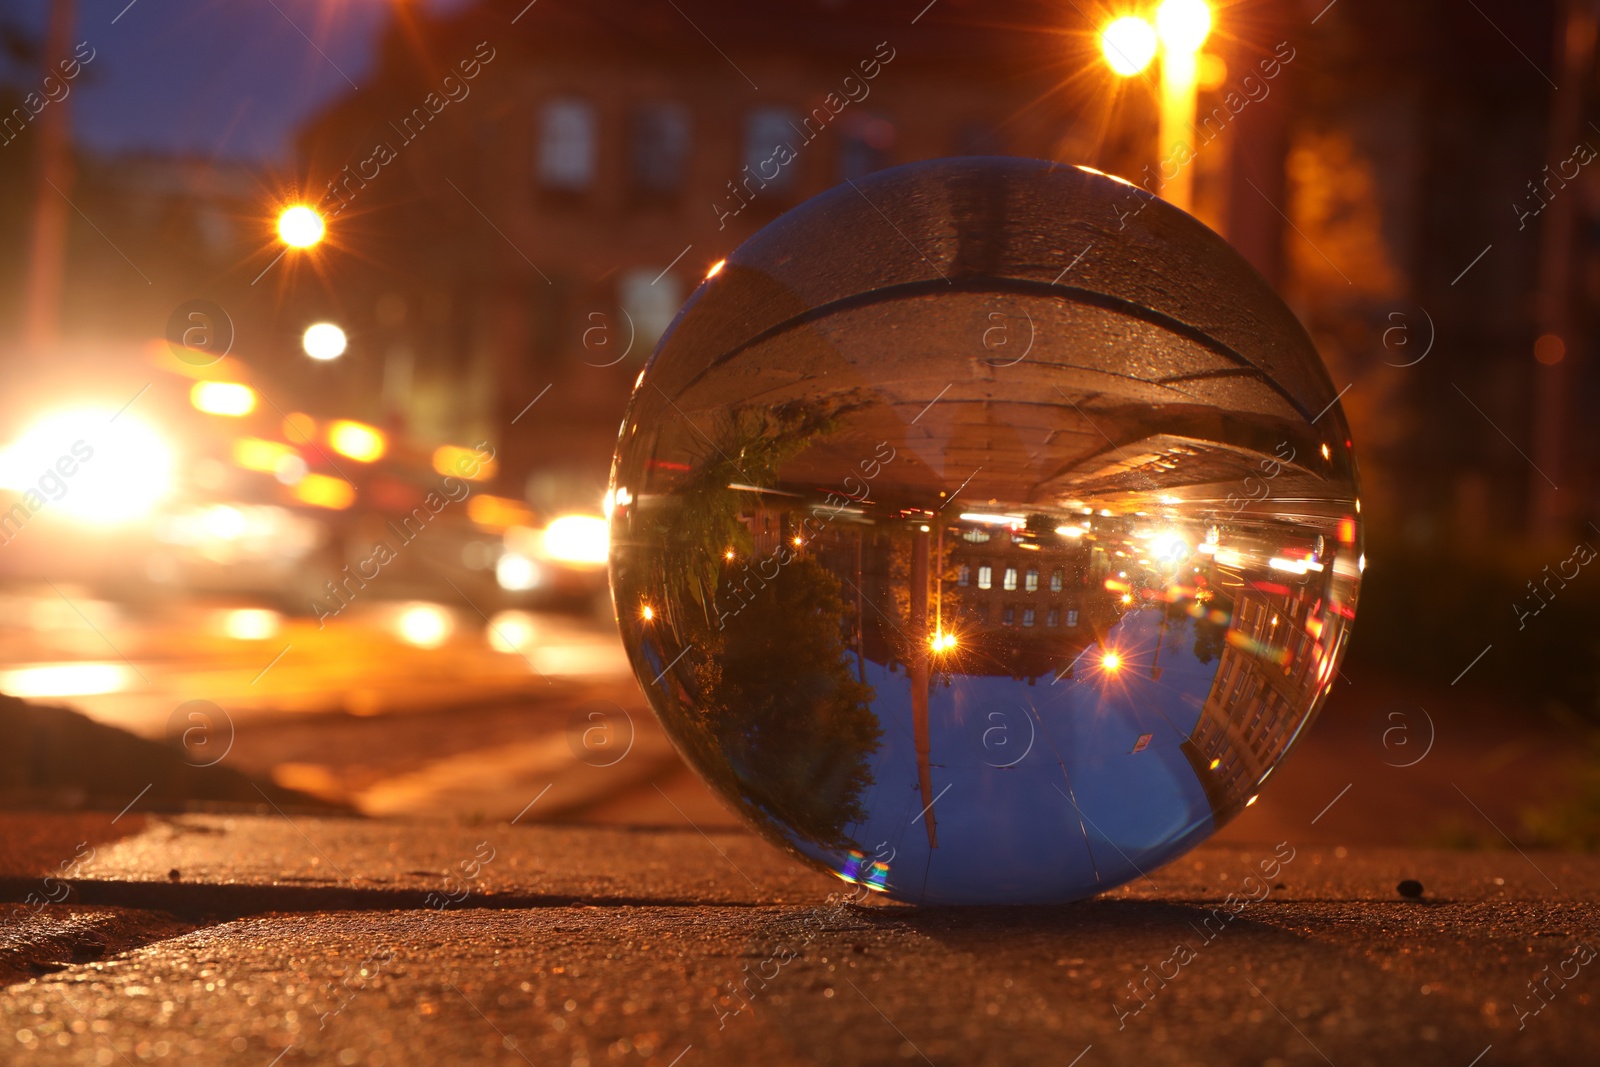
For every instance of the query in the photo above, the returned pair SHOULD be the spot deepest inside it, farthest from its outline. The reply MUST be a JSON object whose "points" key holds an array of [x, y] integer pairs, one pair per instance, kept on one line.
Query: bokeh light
{"points": [[324, 341]]}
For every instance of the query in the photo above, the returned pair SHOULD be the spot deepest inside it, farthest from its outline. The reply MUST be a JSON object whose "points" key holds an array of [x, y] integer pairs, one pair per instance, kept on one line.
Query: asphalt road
{"points": [[316, 941], [461, 927], [131, 665], [493, 713]]}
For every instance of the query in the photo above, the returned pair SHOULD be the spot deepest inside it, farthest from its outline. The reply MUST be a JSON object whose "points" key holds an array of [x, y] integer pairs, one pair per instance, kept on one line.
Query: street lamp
{"points": [[1129, 44], [300, 226], [324, 341]]}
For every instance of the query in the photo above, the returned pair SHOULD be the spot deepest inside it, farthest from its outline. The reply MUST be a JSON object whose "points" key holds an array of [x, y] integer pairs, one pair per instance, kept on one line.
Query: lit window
{"points": [[1072, 618], [1055, 581], [650, 299], [1011, 578], [963, 574], [659, 143], [1053, 617], [1027, 616], [769, 136], [1008, 617], [985, 576], [567, 144], [1030, 581]]}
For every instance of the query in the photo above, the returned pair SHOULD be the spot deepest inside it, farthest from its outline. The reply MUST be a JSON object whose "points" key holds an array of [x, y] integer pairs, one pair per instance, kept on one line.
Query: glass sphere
{"points": [[985, 531]]}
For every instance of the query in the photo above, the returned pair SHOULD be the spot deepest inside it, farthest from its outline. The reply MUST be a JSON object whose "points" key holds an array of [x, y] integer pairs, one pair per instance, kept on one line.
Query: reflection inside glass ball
{"points": [[972, 571]]}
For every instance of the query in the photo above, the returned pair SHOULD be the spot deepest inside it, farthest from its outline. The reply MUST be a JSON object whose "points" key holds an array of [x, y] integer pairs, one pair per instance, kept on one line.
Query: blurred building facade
{"points": [[542, 231], [525, 232]]}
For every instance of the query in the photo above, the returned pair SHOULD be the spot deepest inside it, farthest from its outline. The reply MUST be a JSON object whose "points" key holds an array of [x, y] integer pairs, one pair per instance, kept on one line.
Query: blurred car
{"points": [[562, 563], [137, 472]]}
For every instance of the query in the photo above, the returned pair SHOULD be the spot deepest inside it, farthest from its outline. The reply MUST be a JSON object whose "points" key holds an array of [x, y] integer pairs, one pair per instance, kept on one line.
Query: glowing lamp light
{"points": [[1111, 661], [357, 440], [942, 642], [465, 463], [993, 520], [251, 624], [223, 398], [225, 523], [647, 613], [578, 539], [298, 426], [122, 467], [1169, 547], [1182, 25], [1129, 44], [716, 269], [300, 226], [511, 631], [258, 454], [497, 512], [66, 680], [517, 573], [325, 491], [424, 625], [324, 341]]}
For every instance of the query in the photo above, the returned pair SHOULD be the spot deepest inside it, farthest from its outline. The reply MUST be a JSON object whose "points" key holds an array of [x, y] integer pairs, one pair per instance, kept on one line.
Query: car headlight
{"points": [[100, 466], [583, 540]]}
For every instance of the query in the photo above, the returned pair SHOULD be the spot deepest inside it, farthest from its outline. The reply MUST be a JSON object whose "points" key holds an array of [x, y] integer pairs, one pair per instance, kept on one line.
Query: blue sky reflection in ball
{"points": [[985, 531]]}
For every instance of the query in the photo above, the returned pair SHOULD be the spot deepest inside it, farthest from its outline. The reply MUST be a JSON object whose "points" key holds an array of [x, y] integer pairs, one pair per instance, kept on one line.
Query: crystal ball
{"points": [[985, 531]]}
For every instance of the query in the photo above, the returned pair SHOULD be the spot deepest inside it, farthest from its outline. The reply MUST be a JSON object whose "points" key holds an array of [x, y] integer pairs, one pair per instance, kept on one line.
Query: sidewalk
{"points": [[257, 939]]}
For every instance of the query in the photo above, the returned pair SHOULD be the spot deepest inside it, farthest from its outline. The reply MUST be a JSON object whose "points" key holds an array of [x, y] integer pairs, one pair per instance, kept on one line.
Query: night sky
{"points": [[209, 78]]}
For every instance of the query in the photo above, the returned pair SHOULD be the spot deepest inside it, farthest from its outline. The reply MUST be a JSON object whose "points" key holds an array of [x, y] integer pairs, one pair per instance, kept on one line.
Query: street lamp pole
{"points": [[48, 251], [1182, 27], [1130, 43], [1179, 96]]}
